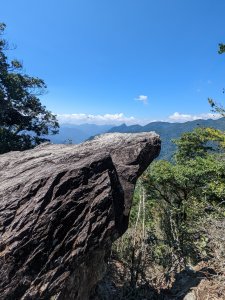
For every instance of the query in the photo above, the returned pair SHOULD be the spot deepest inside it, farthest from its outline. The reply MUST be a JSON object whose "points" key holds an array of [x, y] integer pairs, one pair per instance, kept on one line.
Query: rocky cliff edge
{"points": [[61, 207]]}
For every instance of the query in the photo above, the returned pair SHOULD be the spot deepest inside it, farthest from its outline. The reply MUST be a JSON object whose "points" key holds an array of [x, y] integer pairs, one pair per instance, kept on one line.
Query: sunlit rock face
{"points": [[61, 207]]}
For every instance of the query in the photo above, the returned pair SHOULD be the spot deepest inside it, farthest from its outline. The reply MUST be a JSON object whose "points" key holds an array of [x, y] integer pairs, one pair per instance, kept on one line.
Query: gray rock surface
{"points": [[61, 207]]}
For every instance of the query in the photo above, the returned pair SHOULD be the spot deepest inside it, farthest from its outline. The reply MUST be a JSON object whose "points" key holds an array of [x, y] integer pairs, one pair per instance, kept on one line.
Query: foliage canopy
{"points": [[23, 119], [174, 207]]}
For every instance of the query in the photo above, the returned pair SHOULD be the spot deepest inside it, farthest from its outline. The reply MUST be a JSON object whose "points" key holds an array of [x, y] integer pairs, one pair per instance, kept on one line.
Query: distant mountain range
{"points": [[75, 134], [168, 131], [78, 133]]}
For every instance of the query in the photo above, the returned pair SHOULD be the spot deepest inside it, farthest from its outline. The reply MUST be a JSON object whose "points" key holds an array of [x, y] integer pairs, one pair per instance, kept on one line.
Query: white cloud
{"points": [[111, 119], [119, 118], [142, 98], [178, 117]]}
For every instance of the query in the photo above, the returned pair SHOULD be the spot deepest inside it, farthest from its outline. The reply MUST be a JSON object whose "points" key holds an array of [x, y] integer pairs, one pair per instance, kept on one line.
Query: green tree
{"points": [[187, 190], [221, 48], [174, 208], [199, 142], [23, 119]]}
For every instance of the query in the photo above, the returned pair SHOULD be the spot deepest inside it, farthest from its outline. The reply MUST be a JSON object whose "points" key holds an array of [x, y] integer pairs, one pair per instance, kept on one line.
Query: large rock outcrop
{"points": [[61, 207]]}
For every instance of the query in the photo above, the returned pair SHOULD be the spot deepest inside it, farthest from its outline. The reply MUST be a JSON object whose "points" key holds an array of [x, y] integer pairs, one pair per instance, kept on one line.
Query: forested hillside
{"points": [[174, 247], [169, 131]]}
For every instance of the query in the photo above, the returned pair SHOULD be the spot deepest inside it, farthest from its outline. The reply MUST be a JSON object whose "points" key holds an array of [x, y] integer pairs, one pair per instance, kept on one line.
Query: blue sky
{"points": [[109, 61]]}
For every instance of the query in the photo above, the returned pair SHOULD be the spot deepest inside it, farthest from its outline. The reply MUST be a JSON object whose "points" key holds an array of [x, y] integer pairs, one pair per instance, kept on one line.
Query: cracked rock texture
{"points": [[61, 207]]}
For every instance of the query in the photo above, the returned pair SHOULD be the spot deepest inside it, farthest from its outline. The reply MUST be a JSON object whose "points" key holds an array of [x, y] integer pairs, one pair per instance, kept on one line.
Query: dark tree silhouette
{"points": [[23, 119]]}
